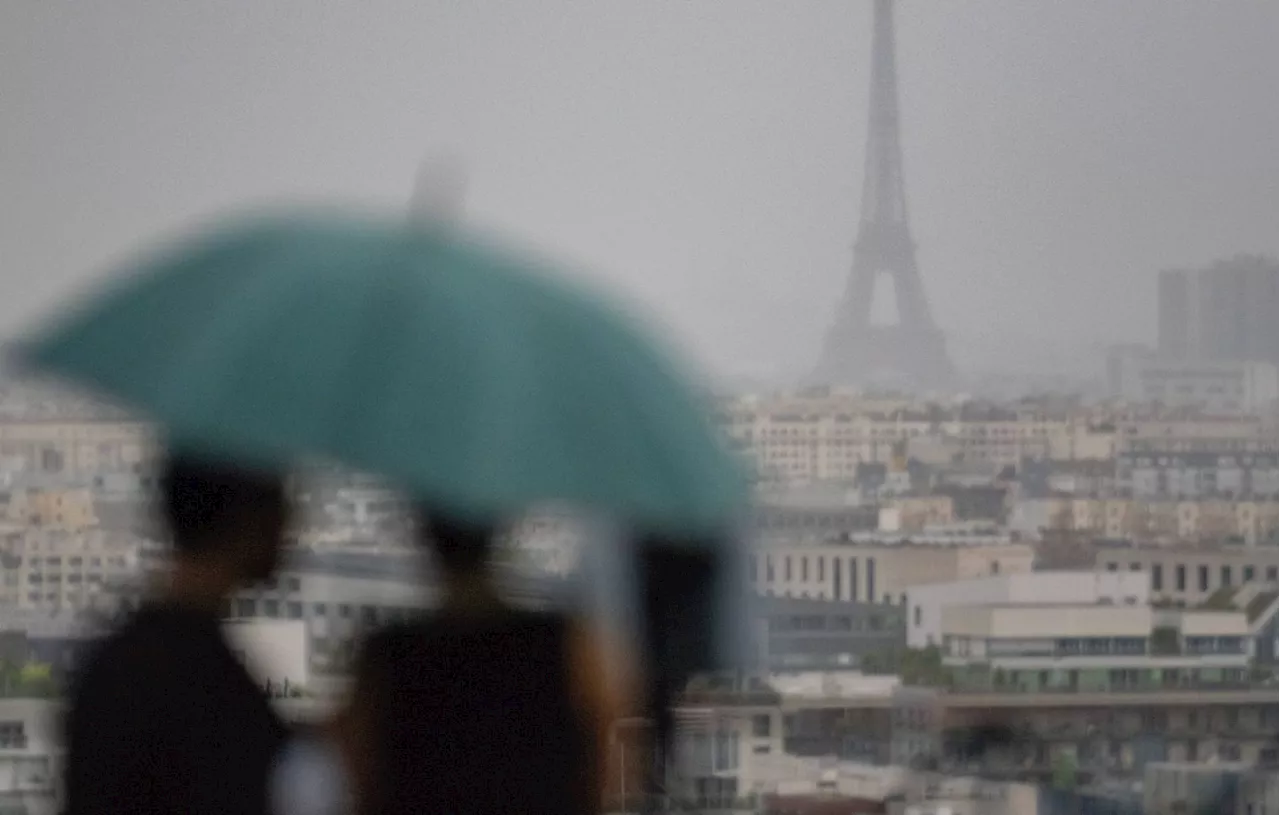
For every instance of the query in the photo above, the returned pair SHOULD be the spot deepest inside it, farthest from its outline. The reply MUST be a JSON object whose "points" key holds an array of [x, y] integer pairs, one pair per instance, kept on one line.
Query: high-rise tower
{"points": [[858, 352]]}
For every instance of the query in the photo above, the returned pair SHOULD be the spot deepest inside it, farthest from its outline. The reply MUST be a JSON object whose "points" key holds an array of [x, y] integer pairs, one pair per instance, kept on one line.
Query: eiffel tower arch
{"points": [[857, 352]]}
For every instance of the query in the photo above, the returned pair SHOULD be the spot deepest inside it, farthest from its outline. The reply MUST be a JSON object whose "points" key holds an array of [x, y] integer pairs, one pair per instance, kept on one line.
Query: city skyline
{"points": [[1060, 155]]}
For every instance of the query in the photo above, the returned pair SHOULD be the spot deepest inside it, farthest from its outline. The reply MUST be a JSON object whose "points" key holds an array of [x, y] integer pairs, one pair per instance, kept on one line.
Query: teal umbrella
{"points": [[461, 370]]}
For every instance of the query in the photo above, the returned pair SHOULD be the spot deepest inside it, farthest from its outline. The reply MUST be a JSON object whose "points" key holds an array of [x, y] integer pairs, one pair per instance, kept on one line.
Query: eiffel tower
{"points": [[857, 352]]}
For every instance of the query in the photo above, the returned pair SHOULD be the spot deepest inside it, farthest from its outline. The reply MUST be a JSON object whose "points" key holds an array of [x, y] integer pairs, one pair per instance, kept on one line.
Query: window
{"points": [[761, 726], [822, 570], [916, 616], [1113, 567], [1225, 576], [871, 579], [1180, 578], [1271, 574], [804, 569], [1203, 575], [1248, 574], [1157, 577], [13, 734], [786, 568]]}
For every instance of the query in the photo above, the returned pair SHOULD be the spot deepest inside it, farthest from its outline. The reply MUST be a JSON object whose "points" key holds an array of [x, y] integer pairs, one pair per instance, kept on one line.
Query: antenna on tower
{"points": [[439, 195]]}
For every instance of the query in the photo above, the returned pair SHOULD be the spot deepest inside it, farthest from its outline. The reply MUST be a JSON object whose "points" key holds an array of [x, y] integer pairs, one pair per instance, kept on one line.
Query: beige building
{"points": [[933, 603], [52, 508], [794, 438], [917, 513], [1252, 523], [824, 437], [52, 569], [75, 447], [1181, 677], [877, 573], [1189, 575]]}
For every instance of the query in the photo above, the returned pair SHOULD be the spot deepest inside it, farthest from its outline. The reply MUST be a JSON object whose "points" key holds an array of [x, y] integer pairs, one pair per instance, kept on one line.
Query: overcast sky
{"points": [[704, 158]]}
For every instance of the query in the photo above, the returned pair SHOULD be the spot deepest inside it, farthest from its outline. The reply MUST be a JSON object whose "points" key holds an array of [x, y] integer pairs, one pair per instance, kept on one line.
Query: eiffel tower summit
{"points": [[858, 352]]}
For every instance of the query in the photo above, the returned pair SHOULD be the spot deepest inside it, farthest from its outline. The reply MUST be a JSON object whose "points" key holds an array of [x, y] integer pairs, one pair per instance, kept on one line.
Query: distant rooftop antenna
{"points": [[441, 190]]}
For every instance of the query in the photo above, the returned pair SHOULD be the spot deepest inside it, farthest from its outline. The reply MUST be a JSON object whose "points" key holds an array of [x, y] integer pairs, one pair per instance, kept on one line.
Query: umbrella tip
{"points": [[439, 195]]}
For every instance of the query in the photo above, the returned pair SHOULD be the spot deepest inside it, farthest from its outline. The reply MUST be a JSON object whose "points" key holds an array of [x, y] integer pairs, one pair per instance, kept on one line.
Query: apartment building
{"points": [[72, 509], [869, 571], [1188, 576], [1216, 387], [917, 513], [1224, 312], [1019, 648], [826, 438], [740, 737], [1109, 688], [1190, 467], [1158, 521], [76, 448], [62, 568], [822, 635], [929, 604], [31, 757]]}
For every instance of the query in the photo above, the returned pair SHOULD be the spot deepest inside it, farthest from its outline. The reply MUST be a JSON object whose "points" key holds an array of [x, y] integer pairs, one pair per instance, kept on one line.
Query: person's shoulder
{"points": [[138, 652], [122, 665], [430, 629], [113, 648]]}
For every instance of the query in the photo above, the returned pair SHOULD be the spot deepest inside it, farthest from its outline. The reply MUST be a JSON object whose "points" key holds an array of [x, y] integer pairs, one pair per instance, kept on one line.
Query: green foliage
{"points": [[1064, 772], [31, 680], [916, 666]]}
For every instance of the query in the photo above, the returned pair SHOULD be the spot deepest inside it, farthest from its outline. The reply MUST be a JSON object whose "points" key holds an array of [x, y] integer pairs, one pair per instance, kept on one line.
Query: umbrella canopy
{"points": [[463, 371]]}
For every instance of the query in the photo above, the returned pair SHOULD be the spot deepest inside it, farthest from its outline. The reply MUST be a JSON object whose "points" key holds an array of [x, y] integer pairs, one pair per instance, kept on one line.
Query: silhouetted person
{"points": [[479, 708], [163, 717]]}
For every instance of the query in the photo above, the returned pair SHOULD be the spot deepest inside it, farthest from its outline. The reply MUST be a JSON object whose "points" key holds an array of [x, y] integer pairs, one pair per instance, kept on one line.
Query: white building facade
{"points": [[929, 605]]}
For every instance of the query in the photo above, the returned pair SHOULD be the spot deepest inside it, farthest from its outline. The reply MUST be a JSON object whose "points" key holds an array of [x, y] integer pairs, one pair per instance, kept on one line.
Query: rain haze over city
{"points": [[953, 325]]}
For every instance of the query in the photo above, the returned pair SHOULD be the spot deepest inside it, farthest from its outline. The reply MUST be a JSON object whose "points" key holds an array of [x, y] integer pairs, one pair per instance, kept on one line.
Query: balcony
{"points": [[729, 691], [729, 697]]}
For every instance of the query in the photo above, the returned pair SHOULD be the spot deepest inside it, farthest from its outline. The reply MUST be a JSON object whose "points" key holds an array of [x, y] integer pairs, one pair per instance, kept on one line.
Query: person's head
{"points": [[462, 550], [223, 515]]}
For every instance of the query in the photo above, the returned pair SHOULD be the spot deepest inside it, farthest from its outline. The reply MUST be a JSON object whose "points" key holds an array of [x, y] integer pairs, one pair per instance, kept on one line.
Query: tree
{"points": [[1064, 772], [916, 666], [27, 679]]}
